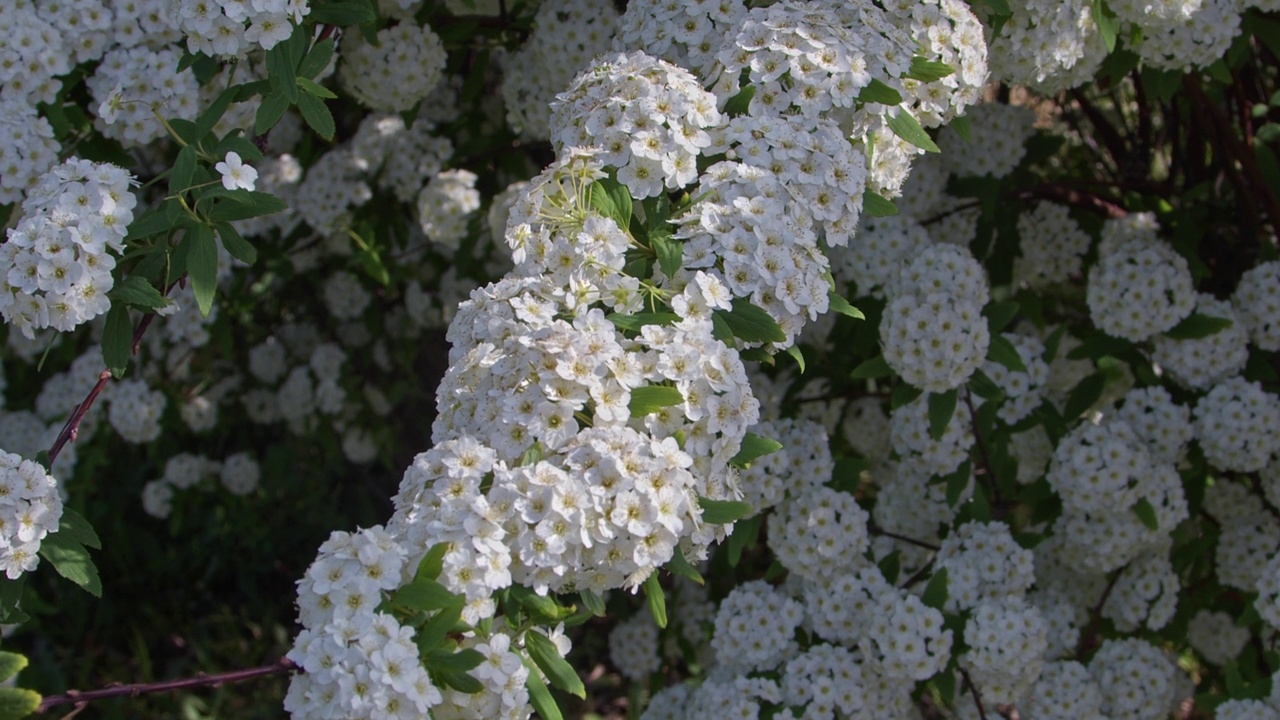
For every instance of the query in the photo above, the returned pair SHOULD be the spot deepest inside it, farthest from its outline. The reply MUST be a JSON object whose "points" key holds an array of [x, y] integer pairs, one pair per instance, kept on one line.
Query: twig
{"points": [[1078, 198], [1086, 638], [282, 665], [973, 690], [910, 541]]}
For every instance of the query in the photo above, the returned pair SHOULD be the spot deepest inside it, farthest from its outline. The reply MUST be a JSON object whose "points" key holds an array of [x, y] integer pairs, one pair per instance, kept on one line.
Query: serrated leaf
{"points": [[184, 167], [432, 564], [720, 330], [342, 14], [136, 291], [11, 664], [723, 512], [543, 608], [926, 70], [956, 483], [311, 87], [539, 696], [270, 111], [1000, 314], [877, 205], [754, 446], [751, 323], [202, 266], [557, 670], [614, 200], [836, 302], [670, 252], [72, 562], [878, 92], [797, 355], [592, 601], [236, 245], [1084, 395], [1146, 513], [211, 116], [281, 72], [245, 204], [1197, 326], [18, 703], [424, 594], [73, 525], [317, 59], [984, 387], [935, 593], [633, 323], [460, 681], [317, 115], [433, 633], [876, 367], [890, 565], [679, 565], [1003, 351], [657, 600], [1107, 23], [652, 398], [745, 534], [117, 340], [942, 407], [904, 125]]}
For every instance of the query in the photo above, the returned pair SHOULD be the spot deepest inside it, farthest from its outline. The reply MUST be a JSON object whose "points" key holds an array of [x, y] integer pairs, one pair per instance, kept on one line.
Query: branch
{"points": [[1078, 198], [910, 541], [282, 665], [973, 690], [1087, 637]]}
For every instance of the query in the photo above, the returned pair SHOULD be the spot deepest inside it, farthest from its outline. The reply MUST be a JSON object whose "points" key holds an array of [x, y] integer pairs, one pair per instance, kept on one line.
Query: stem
{"points": [[282, 665], [973, 690], [1086, 639], [910, 541]]}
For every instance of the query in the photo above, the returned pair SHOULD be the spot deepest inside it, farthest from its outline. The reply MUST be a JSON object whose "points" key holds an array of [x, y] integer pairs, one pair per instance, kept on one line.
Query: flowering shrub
{"points": [[909, 358]]}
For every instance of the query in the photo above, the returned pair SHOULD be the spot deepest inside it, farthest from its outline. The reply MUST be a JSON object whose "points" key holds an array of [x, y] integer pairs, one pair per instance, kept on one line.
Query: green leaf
{"points": [[956, 483], [11, 664], [311, 87], [244, 204], [657, 600], [751, 323], [679, 565], [117, 340], [281, 72], [342, 14], [904, 125], [1084, 395], [723, 512], [878, 92], [670, 251], [592, 601], [652, 398], [794, 352], [754, 446], [738, 104], [460, 681], [963, 127], [150, 223], [876, 367], [73, 525], [877, 205], [926, 70], [984, 387], [211, 116], [1146, 514], [136, 291], [432, 564], [233, 142], [999, 6], [1002, 350], [745, 534], [270, 111], [72, 562], [633, 323], [184, 129], [184, 167], [542, 608], [836, 302], [317, 59], [890, 566], [1107, 22], [935, 593], [317, 115], [18, 703], [942, 407], [532, 455], [612, 199], [424, 594], [239, 248], [945, 682], [433, 633], [546, 656], [1000, 314], [1197, 326], [202, 266], [539, 696]]}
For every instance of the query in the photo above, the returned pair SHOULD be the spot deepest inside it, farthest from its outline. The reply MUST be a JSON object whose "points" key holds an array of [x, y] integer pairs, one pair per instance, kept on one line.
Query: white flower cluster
{"points": [[818, 532], [1065, 691], [32, 55], [984, 564], [1257, 301], [1137, 679], [397, 72], [566, 35], [134, 87], [754, 627], [911, 439], [684, 34], [234, 27], [1049, 45], [58, 260], [933, 330], [1145, 594], [884, 244], [1238, 425], [30, 509], [997, 141], [445, 205], [1052, 246], [633, 647], [1023, 391], [648, 117], [1201, 363], [345, 297], [1182, 35], [1161, 424], [1215, 635], [1139, 290], [135, 410], [803, 463], [1007, 641], [27, 148]]}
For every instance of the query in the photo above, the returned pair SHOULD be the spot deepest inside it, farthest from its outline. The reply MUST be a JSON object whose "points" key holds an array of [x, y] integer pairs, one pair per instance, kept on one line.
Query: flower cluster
{"points": [[445, 205], [996, 144], [1139, 290], [234, 27], [1053, 246], [30, 509], [397, 72], [27, 149], [60, 256], [135, 87]]}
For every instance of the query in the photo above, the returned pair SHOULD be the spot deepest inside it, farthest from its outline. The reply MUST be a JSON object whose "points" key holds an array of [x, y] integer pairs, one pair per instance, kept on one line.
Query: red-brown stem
{"points": [[282, 665], [1088, 637], [1067, 196]]}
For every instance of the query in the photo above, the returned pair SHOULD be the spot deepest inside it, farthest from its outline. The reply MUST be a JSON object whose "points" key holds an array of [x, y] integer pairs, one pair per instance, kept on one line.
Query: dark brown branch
{"points": [[1107, 132], [78, 698], [910, 541], [973, 690], [1088, 638], [1076, 198]]}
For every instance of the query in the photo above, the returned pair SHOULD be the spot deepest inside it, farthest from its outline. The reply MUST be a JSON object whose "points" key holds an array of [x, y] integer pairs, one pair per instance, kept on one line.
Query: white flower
{"points": [[235, 174]]}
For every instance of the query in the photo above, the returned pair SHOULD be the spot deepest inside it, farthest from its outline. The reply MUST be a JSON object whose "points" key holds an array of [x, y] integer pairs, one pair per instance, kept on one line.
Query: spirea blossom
{"points": [[1141, 289], [1238, 425], [1257, 300], [27, 148], [396, 73], [30, 508]]}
